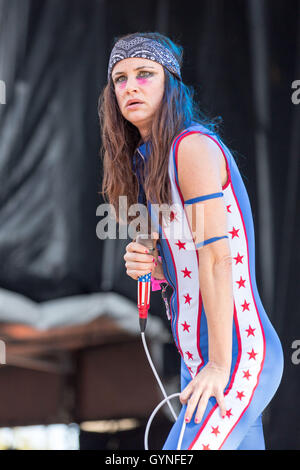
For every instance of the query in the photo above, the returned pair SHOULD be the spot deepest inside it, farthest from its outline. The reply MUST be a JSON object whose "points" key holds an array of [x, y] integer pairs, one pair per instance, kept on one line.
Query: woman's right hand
{"points": [[139, 261]]}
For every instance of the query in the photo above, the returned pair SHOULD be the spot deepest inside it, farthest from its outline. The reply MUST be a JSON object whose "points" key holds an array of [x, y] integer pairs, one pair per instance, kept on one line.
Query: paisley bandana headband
{"points": [[145, 48]]}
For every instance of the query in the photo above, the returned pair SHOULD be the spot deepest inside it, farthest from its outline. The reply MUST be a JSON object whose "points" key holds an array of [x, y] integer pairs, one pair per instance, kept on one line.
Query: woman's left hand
{"points": [[209, 382]]}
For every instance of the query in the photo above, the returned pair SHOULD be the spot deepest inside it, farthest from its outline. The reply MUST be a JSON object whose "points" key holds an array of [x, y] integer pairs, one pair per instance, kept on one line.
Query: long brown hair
{"points": [[120, 137]]}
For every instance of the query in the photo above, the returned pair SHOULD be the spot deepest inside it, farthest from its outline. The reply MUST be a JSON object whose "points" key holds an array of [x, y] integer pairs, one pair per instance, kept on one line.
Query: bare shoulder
{"points": [[199, 146], [201, 154]]}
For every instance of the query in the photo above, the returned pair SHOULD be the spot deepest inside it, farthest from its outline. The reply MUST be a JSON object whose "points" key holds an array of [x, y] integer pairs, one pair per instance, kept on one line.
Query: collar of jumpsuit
{"points": [[140, 158]]}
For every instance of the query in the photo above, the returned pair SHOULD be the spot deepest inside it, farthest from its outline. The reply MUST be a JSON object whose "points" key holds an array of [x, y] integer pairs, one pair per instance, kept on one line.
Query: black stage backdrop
{"points": [[242, 58]]}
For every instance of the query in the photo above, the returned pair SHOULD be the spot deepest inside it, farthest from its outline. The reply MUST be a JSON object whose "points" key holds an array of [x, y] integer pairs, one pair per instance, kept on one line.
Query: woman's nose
{"points": [[131, 84]]}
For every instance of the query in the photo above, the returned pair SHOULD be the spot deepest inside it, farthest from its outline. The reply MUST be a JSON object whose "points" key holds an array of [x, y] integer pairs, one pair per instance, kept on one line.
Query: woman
{"points": [[159, 149]]}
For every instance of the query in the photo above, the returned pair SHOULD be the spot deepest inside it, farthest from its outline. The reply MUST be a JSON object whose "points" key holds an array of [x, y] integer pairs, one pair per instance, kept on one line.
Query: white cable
{"points": [[166, 399], [153, 414], [156, 375]]}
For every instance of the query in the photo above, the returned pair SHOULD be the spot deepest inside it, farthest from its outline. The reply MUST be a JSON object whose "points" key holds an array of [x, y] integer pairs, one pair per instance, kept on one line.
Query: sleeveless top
{"points": [[251, 326]]}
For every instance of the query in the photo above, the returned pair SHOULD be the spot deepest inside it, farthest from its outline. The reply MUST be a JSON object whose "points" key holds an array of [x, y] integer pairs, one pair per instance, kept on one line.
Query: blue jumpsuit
{"points": [[257, 357]]}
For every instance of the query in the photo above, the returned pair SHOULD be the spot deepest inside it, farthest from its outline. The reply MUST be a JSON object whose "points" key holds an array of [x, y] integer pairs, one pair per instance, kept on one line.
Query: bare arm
{"points": [[199, 175]]}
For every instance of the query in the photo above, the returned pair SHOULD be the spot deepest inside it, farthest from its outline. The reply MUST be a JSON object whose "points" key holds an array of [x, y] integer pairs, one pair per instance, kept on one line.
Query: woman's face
{"points": [[140, 79]]}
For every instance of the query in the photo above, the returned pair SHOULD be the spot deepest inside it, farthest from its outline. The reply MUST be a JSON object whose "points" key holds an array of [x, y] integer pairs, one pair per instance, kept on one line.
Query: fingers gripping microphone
{"points": [[144, 284], [144, 287]]}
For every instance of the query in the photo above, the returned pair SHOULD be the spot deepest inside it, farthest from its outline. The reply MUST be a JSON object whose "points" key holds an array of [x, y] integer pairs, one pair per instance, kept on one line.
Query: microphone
{"points": [[144, 284]]}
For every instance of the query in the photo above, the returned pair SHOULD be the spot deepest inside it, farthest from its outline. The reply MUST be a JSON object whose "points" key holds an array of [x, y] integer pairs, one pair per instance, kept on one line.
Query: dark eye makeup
{"points": [[148, 74]]}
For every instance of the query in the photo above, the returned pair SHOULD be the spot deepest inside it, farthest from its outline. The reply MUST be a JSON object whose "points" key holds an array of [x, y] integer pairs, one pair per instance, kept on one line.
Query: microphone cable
{"points": [[144, 289], [165, 400]]}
